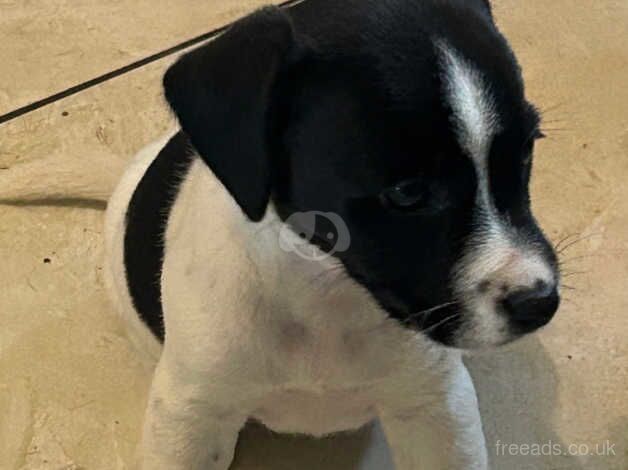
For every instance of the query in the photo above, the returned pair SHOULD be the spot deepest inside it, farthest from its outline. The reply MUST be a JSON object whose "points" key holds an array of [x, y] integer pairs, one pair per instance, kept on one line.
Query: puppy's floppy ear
{"points": [[221, 91]]}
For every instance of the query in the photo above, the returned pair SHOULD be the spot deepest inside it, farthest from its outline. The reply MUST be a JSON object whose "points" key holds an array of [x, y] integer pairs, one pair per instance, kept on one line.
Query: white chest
{"points": [[313, 349]]}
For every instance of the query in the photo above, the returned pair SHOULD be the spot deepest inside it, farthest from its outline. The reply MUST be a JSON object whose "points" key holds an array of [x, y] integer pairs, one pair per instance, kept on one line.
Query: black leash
{"points": [[118, 72]]}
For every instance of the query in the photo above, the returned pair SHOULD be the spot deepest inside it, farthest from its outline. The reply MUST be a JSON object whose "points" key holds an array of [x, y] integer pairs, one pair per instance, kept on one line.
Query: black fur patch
{"points": [[146, 220]]}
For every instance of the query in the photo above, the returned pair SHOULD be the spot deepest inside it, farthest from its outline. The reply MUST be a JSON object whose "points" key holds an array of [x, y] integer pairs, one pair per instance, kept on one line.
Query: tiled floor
{"points": [[49, 45], [72, 391]]}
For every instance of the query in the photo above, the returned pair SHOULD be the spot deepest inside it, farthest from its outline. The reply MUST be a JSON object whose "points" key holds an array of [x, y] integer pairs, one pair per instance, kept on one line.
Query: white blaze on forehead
{"points": [[475, 123], [474, 114], [497, 255]]}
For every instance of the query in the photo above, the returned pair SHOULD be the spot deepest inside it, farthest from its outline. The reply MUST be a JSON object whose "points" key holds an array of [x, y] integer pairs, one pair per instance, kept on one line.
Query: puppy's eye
{"points": [[415, 197], [407, 195]]}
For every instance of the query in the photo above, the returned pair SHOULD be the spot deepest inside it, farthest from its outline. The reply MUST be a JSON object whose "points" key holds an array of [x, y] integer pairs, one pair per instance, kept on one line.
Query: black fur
{"points": [[220, 94], [327, 106], [146, 220]]}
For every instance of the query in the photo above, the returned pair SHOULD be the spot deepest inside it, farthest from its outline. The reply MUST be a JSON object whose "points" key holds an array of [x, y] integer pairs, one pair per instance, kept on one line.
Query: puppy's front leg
{"points": [[189, 424], [442, 431]]}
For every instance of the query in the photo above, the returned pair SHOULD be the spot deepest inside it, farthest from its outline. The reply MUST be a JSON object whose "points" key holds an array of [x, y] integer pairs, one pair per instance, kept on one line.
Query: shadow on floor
{"points": [[517, 389], [68, 203], [261, 449]]}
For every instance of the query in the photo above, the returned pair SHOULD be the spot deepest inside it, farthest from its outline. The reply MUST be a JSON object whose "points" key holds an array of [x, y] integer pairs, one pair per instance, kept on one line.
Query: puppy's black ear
{"points": [[221, 91]]}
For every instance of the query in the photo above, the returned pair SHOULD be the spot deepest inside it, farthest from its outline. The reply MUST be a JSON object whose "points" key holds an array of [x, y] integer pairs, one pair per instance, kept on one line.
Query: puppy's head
{"points": [[408, 121]]}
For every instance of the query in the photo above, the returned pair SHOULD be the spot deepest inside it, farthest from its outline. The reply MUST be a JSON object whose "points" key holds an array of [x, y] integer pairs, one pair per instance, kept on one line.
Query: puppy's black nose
{"points": [[530, 309]]}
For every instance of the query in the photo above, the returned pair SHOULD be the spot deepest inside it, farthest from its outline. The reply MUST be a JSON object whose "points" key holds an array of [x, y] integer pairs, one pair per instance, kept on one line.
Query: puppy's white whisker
{"points": [[441, 322], [431, 310]]}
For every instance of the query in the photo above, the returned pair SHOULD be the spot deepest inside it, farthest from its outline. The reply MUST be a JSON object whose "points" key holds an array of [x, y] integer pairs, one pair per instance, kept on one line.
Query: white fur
{"points": [[252, 330], [496, 256], [473, 107]]}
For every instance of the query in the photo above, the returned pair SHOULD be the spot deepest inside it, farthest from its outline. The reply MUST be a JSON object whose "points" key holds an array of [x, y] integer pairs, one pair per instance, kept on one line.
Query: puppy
{"points": [[344, 210]]}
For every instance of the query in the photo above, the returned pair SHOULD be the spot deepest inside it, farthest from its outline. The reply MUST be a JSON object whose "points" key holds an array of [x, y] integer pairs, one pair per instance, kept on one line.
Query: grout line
{"points": [[120, 71]]}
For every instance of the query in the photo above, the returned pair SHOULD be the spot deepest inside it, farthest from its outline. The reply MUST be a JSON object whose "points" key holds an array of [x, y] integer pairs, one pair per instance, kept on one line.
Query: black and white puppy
{"points": [[395, 138]]}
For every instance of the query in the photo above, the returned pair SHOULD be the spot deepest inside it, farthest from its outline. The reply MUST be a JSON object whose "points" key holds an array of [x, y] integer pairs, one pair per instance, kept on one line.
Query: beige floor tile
{"points": [[49, 45], [72, 392]]}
